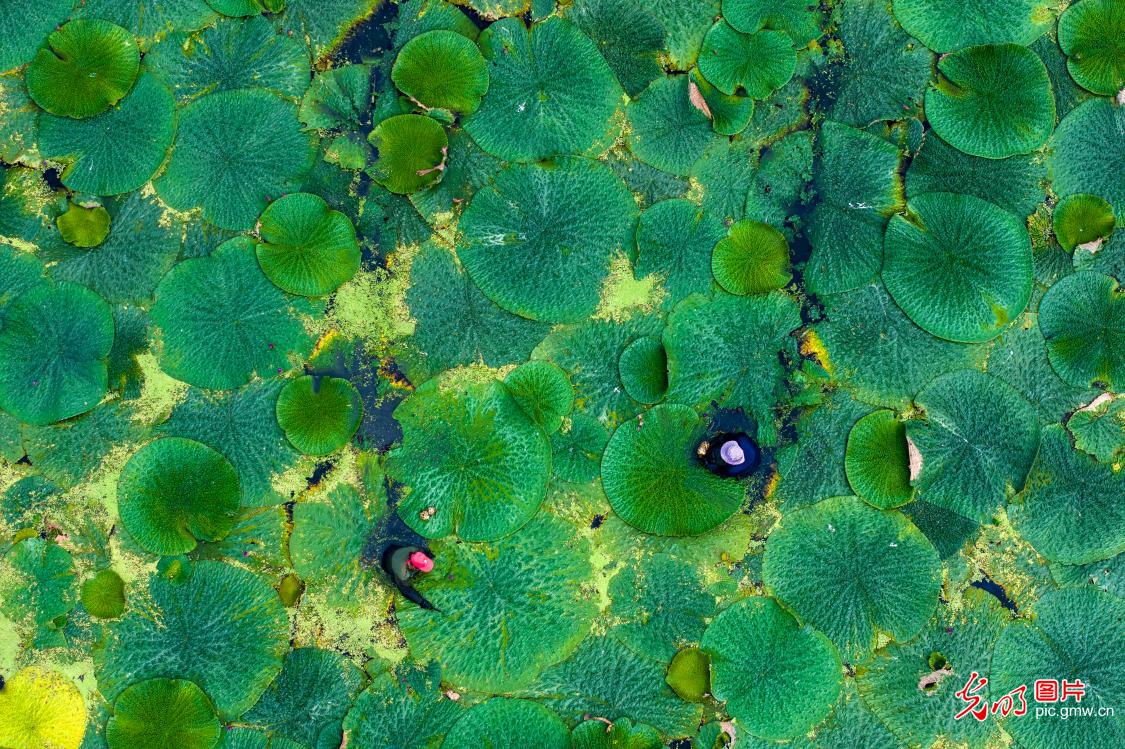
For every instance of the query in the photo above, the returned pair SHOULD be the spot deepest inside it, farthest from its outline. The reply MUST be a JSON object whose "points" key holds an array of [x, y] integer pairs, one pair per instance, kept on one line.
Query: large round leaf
{"points": [[117, 151], [539, 240], [234, 151], [1069, 509], [411, 152], [1065, 641], [41, 709], [472, 461], [1083, 319], [163, 713], [505, 610], [504, 723], [307, 248], [666, 130], [85, 67], [24, 27], [674, 240], [958, 266], [656, 483], [442, 69], [1090, 135], [992, 101], [948, 25], [319, 415], [222, 320], [543, 391], [195, 629], [798, 18], [975, 441], [1092, 34], [550, 92], [174, 491], [756, 64], [853, 572], [778, 679], [402, 708], [876, 460], [54, 340]]}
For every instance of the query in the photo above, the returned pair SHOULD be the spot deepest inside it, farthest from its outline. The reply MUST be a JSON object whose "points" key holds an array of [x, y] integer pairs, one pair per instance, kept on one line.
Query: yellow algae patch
{"points": [[372, 308], [622, 294], [813, 346], [41, 709]]}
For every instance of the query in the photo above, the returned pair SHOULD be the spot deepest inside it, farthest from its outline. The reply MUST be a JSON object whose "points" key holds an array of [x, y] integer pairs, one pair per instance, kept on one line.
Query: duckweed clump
{"points": [[368, 369]]}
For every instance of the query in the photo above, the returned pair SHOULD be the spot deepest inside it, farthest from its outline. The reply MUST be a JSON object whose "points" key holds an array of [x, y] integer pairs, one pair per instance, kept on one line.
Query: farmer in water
{"points": [[402, 563], [728, 449]]}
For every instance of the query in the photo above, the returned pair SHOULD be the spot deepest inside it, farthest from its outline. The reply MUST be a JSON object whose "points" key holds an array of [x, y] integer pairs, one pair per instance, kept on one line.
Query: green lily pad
{"points": [[462, 326], [532, 584], [473, 462], [976, 441], [1091, 34], [25, 27], [118, 151], [729, 115], [576, 449], [1098, 429], [798, 18], [627, 34], [1066, 510], [163, 712], [539, 240], [859, 187], [69, 452], [658, 605], [623, 734], [686, 23], [442, 70], [329, 540], [656, 483], [886, 575], [244, 8], [312, 694], [876, 461], [675, 239], [319, 417], [607, 679], [689, 675], [411, 151], [948, 25], [307, 248], [338, 98], [37, 592], [885, 70], [1087, 153], [142, 246], [401, 709], [543, 391], [812, 466], [756, 64], [174, 491], [103, 595], [1083, 319], [234, 151], [242, 425], [196, 629], [912, 686], [84, 68], [550, 92], [726, 349], [643, 369], [54, 341], [992, 101], [504, 723], [1057, 644], [778, 679], [221, 320], [589, 353], [873, 346], [752, 259], [667, 130], [1080, 219], [84, 227], [960, 267], [1015, 183], [149, 20], [232, 54]]}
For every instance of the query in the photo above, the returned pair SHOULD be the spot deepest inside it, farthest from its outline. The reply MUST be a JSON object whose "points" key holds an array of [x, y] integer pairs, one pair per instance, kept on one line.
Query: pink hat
{"points": [[419, 561]]}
